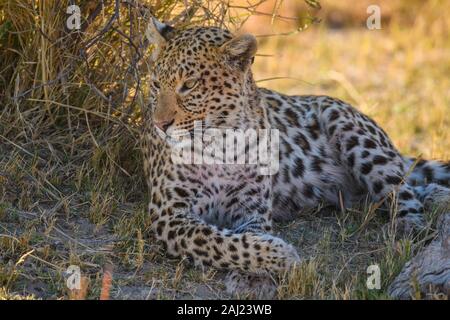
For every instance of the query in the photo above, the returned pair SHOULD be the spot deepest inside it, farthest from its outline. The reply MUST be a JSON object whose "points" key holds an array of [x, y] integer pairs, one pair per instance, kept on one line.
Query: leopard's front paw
{"points": [[280, 256]]}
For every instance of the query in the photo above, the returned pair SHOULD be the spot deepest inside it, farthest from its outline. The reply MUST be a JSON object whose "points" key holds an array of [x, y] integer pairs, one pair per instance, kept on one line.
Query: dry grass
{"points": [[71, 189], [398, 75]]}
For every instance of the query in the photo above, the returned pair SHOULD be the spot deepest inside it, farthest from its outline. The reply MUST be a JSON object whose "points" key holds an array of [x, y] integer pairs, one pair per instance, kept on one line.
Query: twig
{"points": [[106, 28]]}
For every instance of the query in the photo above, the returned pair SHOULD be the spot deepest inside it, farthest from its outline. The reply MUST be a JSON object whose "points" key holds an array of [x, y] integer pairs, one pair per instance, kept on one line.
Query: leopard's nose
{"points": [[164, 125]]}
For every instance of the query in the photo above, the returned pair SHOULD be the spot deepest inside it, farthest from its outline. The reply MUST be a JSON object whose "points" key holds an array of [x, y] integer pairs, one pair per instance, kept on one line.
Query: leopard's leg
{"points": [[257, 215], [425, 172], [368, 154], [258, 218], [433, 196], [253, 223], [247, 284], [431, 181], [185, 234]]}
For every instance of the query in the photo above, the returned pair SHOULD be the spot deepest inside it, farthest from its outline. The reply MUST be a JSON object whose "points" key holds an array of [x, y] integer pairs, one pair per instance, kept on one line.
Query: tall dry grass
{"points": [[77, 94], [70, 99], [399, 75], [70, 110]]}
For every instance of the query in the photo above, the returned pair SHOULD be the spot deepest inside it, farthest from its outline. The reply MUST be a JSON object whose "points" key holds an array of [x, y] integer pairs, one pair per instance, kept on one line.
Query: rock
{"points": [[429, 271]]}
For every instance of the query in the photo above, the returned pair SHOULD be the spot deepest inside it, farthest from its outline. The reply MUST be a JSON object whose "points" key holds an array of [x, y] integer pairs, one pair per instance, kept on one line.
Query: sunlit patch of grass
{"points": [[304, 281], [6, 295], [398, 75]]}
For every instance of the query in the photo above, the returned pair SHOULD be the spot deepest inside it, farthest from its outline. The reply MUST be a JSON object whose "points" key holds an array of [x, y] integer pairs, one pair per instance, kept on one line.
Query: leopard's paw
{"points": [[279, 255]]}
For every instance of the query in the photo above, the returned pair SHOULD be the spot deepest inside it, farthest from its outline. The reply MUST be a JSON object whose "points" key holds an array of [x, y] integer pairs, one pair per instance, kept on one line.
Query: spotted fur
{"points": [[221, 215]]}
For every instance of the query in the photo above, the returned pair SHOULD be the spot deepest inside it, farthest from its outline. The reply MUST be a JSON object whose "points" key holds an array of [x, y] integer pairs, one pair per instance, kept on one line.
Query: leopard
{"points": [[222, 215]]}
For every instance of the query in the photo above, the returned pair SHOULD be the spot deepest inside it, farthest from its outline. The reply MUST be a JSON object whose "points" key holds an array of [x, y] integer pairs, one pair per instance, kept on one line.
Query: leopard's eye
{"points": [[189, 84]]}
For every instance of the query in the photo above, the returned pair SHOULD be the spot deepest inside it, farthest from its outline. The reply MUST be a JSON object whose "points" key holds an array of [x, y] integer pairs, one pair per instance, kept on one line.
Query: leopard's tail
{"points": [[425, 172], [430, 180]]}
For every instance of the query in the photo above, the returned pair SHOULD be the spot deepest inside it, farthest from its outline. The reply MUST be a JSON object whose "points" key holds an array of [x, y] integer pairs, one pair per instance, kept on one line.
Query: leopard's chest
{"points": [[224, 193]]}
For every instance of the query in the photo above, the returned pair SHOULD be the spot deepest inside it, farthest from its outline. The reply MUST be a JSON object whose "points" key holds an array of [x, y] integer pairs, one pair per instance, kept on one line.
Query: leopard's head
{"points": [[201, 74]]}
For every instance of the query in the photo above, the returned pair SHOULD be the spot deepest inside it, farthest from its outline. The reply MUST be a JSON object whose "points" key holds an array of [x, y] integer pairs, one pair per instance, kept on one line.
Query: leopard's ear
{"points": [[240, 51], [157, 32]]}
